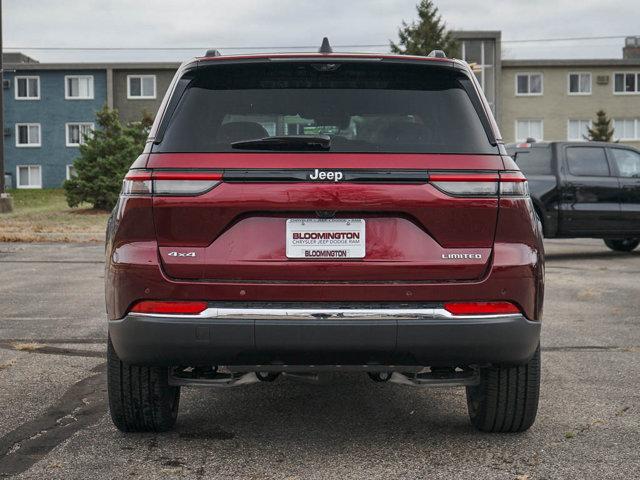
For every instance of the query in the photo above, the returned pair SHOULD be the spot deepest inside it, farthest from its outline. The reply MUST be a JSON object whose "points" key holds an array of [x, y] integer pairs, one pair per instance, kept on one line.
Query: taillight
{"points": [[513, 184], [481, 308], [466, 184], [169, 307], [508, 184], [167, 183], [137, 182], [184, 183]]}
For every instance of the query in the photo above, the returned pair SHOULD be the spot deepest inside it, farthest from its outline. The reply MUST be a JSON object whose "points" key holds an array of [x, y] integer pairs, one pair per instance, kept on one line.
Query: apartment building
{"points": [[50, 108], [47, 112], [558, 99]]}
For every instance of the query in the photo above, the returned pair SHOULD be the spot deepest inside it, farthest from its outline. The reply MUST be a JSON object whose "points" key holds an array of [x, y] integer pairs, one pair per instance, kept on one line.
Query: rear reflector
{"points": [[179, 183], [510, 184], [481, 308], [168, 308]]}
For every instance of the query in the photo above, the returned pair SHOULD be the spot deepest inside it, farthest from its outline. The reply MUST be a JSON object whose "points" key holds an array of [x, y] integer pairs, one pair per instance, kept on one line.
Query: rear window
{"points": [[362, 107], [533, 161]]}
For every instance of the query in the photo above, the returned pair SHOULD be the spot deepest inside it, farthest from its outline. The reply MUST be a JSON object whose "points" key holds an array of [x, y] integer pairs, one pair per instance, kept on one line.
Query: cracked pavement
{"points": [[54, 423]]}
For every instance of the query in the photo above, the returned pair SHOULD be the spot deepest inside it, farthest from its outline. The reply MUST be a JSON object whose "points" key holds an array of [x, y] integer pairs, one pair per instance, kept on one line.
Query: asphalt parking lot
{"points": [[54, 422]]}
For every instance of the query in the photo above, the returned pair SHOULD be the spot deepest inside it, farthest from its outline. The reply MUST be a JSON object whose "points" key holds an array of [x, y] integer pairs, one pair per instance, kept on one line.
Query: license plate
{"points": [[325, 239]]}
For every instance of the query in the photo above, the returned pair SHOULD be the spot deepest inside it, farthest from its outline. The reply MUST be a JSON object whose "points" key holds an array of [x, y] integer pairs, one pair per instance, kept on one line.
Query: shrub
{"points": [[104, 160], [601, 130]]}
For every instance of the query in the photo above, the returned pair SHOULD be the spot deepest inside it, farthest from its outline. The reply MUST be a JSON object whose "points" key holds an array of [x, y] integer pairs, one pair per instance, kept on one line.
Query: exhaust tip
{"points": [[379, 377]]}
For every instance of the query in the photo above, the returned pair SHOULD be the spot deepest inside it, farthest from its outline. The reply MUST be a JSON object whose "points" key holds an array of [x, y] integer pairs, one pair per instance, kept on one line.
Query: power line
{"points": [[564, 39], [293, 47], [279, 47]]}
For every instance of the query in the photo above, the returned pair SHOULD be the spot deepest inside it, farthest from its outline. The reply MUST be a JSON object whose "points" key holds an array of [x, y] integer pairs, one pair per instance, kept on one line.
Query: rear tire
{"points": [[622, 245], [506, 400], [140, 398]]}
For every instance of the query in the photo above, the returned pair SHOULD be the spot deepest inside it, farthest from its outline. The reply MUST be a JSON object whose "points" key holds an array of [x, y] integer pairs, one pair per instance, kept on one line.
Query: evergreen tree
{"points": [[601, 130], [427, 34], [104, 160]]}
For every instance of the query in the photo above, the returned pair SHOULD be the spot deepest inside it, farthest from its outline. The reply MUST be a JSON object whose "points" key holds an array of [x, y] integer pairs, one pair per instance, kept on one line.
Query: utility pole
{"points": [[6, 203]]}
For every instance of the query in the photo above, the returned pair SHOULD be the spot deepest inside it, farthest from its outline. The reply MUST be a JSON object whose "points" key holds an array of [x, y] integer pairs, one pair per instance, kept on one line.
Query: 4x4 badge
{"points": [[182, 254]]}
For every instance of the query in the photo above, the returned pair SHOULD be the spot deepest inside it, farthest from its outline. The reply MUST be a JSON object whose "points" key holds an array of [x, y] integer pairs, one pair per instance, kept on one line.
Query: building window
{"points": [[626, 128], [77, 133], [528, 84], [28, 135], [578, 130], [481, 53], [141, 87], [625, 83], [580, 83], [529, 129], [78, 87], [71, 172], [29, 176], [27, 88]]}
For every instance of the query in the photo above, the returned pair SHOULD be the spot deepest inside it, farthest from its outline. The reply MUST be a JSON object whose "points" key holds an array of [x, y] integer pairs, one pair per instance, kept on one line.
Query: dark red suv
{"points": [[324, 212]]}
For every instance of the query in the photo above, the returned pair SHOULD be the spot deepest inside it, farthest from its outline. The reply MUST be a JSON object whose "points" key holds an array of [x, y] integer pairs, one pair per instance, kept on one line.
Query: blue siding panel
{"points": [[52, 112]]}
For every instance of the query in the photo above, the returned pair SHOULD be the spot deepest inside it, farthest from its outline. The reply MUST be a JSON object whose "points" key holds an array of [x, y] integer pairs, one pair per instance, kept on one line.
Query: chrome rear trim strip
{"points": [[308, 314]]}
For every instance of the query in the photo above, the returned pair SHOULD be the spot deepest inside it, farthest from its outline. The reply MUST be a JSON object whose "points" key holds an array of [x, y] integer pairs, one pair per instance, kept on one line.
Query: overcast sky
{"points": [[272, 23]]}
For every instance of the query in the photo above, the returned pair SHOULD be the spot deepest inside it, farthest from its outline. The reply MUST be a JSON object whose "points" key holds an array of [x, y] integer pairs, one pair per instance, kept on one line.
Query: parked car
{"points": [[584, 189], [324, 212]]}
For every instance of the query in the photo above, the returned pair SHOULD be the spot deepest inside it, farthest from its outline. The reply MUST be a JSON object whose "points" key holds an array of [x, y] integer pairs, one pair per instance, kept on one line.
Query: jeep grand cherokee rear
{"points": [[302, 213]]}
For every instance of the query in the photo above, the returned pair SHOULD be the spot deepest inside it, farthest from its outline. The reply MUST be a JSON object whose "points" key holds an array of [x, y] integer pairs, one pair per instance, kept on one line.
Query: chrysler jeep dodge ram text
{"points": [[324, 212]]}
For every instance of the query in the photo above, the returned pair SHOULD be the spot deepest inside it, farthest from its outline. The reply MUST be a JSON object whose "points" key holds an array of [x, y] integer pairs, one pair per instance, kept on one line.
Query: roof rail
{"points": [[213, 52], [437, 54]]}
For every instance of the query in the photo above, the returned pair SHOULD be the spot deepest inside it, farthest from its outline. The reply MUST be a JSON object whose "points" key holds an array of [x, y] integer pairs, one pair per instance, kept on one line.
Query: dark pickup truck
{"points": [[584, 189]]}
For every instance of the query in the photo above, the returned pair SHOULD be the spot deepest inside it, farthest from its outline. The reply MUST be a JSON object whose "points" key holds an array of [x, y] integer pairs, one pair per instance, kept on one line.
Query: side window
{"points": [[587, 161], [627, 161]]}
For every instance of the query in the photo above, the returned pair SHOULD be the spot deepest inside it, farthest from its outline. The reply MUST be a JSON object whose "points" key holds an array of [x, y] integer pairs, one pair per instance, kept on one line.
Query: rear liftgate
{"points": [[354, 225]]}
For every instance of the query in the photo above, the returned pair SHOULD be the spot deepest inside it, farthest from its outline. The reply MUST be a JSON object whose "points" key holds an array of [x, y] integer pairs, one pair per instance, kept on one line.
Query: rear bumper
{"points": [[426, 336]]}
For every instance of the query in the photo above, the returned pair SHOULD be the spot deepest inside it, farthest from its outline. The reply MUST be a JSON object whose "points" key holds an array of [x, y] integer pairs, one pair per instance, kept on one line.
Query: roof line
{"points": [[92, 66], [569, 62]]}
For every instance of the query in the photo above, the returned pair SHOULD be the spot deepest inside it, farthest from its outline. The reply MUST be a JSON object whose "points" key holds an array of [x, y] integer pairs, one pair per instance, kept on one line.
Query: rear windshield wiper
{"points": [[286, 142]]}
